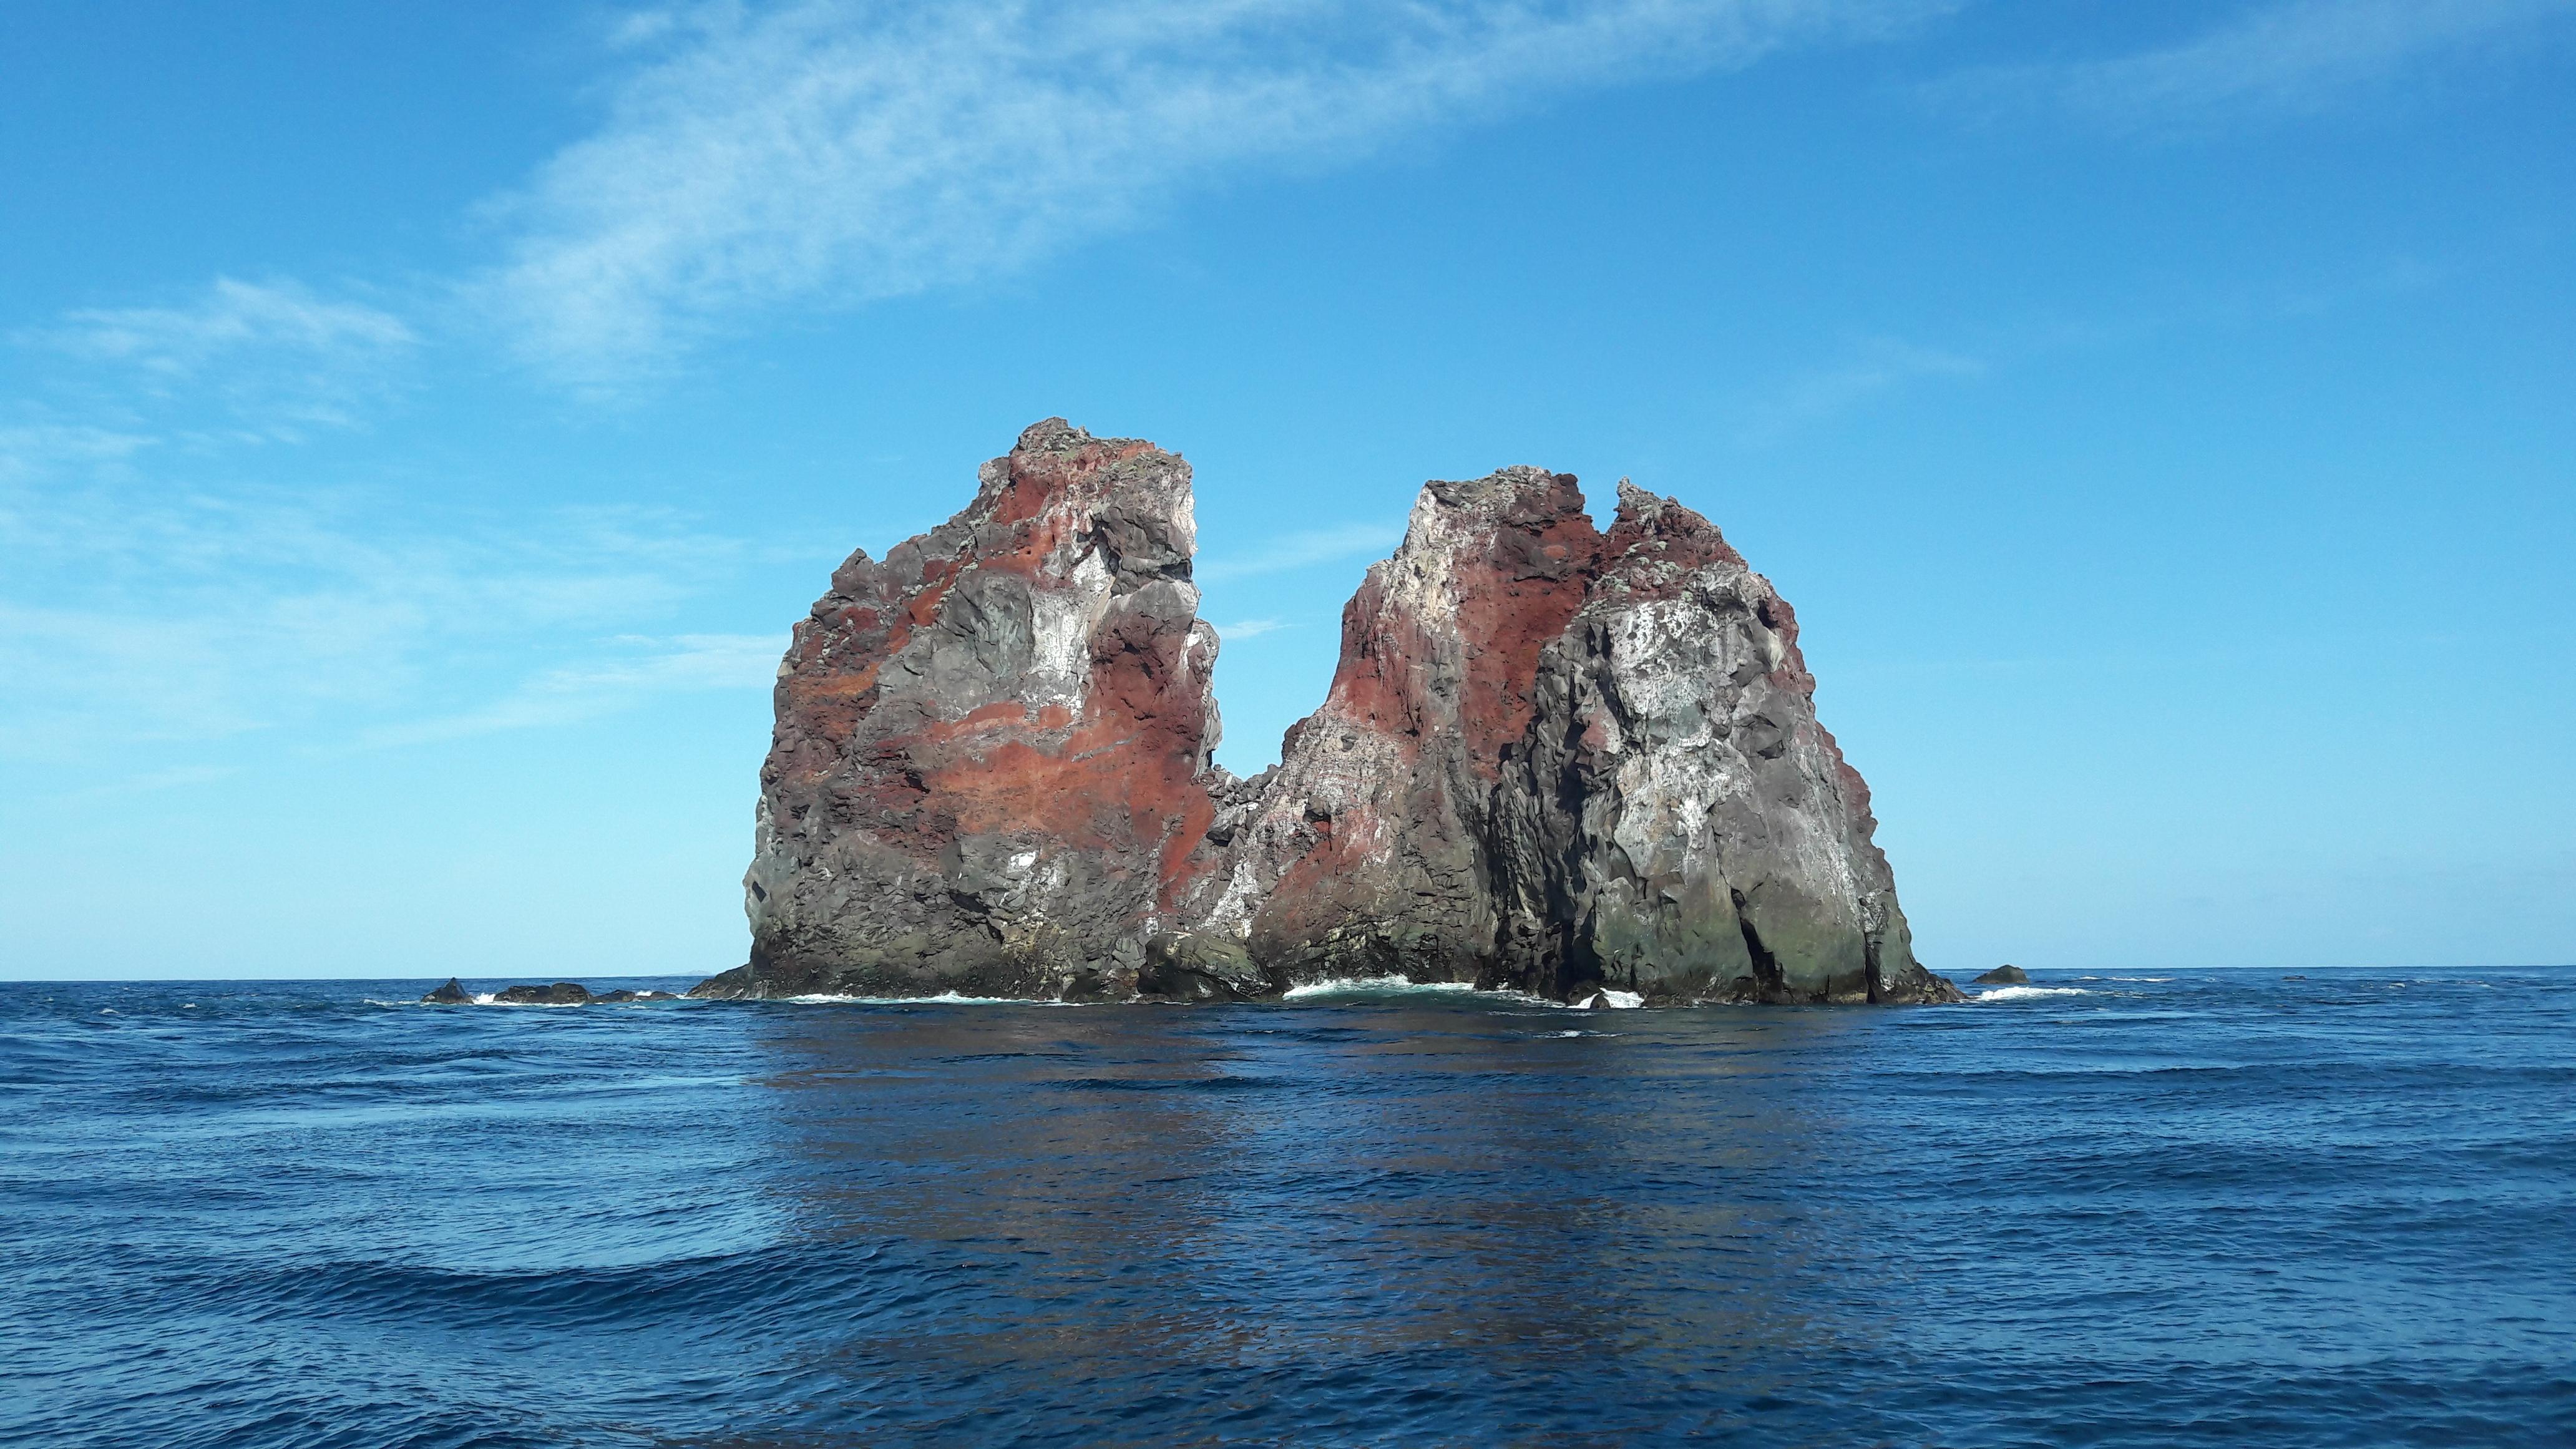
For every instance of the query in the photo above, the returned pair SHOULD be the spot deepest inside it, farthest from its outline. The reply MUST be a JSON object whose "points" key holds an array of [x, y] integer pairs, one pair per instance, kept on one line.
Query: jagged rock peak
{"points": [[991, 769], [1678, 824], [1365, 853]]}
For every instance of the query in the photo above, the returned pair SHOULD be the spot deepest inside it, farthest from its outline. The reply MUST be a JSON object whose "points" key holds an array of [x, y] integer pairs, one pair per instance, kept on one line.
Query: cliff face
{"points": [[1366, 851], [1675, 822], [991, 767], [1548, 759]]}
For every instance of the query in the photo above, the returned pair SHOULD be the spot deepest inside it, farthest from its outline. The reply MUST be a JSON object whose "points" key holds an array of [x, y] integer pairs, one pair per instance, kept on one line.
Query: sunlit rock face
{"points": [[1675, 822], [1549, 760], [1366, 853], [991, 767]]}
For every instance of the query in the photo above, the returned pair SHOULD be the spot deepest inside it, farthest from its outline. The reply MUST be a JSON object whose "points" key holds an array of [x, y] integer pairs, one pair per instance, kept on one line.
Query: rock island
{"points": [[1552, 759]]}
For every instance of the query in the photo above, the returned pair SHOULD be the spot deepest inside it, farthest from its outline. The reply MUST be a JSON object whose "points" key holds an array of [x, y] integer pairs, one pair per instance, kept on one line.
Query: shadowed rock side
{"points": [[1364, 852], [991, 767], [1675, 821]]}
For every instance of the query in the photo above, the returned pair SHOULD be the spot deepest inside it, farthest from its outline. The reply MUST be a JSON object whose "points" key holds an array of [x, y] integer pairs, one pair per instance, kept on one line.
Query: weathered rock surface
{"points": [[1364, 853], [1675, 822], [452, 994], [2004, 976], [561, 993], [991, 771], [1549, 759]]}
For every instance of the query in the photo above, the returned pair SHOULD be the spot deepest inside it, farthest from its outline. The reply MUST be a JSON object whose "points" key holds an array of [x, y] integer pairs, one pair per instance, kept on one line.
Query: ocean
{"points": [[2115, 1208]]}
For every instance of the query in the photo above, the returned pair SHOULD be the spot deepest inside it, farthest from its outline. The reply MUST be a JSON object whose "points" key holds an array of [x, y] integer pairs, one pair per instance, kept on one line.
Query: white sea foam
{"points": [[945, 998], [1372, 985], [1623, 1000], [2026, 993]]}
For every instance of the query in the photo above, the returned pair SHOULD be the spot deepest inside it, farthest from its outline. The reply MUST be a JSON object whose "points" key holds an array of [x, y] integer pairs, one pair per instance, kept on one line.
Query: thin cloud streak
{"points": [[1249, 628], [233, 317], [2298, 57], [135, 614], [1304, 550], [1880, 366], [688, 663], [831, 153], [274, 358]]}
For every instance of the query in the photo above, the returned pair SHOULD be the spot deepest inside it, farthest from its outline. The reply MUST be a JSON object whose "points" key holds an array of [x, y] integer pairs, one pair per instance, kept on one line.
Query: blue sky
{"points": [[419, 423]]}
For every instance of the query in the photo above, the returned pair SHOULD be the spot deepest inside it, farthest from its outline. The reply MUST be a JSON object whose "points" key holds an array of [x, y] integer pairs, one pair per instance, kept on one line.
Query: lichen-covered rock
{"points": [[991, 771], [1364, 852], [1675, 822]]}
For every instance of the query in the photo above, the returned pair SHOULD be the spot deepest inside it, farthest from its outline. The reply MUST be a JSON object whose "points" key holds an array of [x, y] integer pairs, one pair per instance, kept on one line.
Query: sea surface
{"points": [[2139, 1208]]}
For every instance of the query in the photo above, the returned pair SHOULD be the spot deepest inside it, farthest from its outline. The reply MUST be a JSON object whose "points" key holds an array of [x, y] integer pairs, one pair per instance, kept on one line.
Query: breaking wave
{"points": [[2026, 993]]}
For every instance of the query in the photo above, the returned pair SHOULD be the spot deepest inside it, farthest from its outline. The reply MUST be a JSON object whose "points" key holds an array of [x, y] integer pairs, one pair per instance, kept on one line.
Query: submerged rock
{"points": [[452, 994], [1549, 759], [2004, 976]]}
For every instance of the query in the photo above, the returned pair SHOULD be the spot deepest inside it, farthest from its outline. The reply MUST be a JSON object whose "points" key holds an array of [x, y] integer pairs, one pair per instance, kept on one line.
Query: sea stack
{"points": [[991, 769], [1674, 822], [1550, 760]]}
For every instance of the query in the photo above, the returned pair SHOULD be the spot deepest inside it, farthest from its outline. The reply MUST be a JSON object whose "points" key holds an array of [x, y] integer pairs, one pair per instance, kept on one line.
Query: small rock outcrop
{"points": [[452, 994], [991, 771], [561, 993], [2004, 976], [1582, 765]]}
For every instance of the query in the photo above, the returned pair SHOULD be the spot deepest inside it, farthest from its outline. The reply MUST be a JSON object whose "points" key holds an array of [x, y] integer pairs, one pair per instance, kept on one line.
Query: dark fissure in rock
{"points": [[1767, 976]]}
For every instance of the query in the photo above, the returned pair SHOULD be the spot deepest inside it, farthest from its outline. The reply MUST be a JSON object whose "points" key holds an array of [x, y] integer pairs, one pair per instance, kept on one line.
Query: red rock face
{"points": [[1365, 854], [991, 767]]}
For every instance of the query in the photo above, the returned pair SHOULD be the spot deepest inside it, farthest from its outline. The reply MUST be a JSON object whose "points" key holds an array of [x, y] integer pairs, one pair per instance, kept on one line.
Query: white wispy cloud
{"points": [[36, 450], [1304, 549], [2287, 56], [831, 152], [275, 357], [140, 616], [231, 318]]}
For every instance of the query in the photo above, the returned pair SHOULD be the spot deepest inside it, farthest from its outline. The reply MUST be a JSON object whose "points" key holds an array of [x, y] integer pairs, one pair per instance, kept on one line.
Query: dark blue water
{"points": [[2217, 1208]]}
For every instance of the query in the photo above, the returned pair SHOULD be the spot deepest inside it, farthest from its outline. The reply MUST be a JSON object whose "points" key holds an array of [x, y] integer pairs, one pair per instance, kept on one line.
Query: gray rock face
{"points": [[1365, 852], [1574, 764], [991, 768], [2004, 976], [1675, 822]]}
